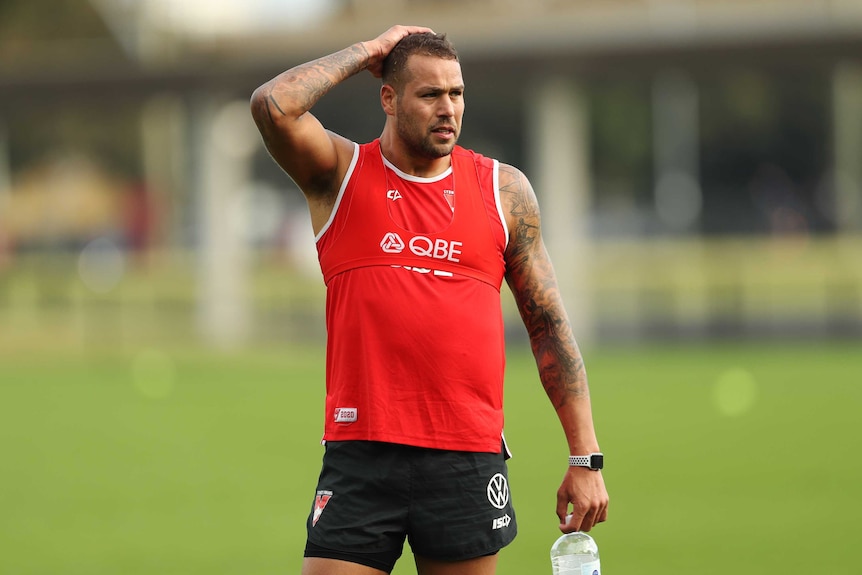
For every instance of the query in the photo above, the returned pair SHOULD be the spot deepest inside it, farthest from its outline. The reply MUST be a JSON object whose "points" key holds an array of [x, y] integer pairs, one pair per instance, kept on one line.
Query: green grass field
{"points": [[720, 459]]}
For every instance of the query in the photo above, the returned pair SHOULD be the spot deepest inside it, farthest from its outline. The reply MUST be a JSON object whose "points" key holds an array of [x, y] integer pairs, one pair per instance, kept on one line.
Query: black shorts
{"points": [[449, 505]]}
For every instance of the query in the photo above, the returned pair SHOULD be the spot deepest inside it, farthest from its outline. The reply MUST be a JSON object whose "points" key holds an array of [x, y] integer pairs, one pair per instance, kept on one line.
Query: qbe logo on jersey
{"points": [[422, 246]]}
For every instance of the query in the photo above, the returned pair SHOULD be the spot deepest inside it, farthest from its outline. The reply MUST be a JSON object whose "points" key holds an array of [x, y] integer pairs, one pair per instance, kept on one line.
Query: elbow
{"points": [[267, 111], [258, 105]]}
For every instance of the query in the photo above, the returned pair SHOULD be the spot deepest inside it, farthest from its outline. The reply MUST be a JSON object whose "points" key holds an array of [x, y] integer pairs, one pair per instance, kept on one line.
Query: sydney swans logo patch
{"points": [[320, 501]]}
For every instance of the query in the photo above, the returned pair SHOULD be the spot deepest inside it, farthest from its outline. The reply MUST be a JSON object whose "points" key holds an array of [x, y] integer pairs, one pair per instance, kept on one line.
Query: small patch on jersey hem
{"points": [[346, 414]]}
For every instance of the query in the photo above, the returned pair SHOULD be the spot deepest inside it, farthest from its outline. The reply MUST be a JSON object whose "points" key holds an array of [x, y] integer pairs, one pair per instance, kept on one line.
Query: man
{"points": [[414, 236]]}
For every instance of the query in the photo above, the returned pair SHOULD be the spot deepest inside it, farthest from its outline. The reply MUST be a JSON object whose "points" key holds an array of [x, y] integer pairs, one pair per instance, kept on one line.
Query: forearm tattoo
{"points": [[533, 282], [304, 85]]}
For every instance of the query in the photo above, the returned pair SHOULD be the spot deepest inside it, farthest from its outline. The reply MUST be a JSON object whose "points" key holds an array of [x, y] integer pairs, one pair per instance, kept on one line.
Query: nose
{"points": [[447, 107]]}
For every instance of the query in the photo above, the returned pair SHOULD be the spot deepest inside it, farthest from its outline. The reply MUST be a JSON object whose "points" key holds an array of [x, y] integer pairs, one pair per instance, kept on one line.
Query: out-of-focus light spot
{"points": [[153, 373], [101, 265], [735, 392]]}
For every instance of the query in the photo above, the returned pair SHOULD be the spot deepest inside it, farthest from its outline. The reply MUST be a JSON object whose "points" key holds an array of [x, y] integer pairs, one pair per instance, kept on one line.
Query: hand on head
{"points": [[380, 47]]}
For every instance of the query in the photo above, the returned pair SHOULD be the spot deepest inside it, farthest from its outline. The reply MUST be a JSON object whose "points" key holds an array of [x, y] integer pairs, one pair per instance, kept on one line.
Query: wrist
{"points": [[364, 48], [368, 57], [371, 50]]}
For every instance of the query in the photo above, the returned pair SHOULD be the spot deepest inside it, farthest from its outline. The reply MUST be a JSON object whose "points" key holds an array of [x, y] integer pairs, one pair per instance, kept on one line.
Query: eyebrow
{"points": [[433, 88]]}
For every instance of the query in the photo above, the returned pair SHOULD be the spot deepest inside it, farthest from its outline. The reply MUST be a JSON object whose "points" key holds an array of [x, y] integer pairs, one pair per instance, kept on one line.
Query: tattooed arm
{"points": [[315, 158], [533, 282]]}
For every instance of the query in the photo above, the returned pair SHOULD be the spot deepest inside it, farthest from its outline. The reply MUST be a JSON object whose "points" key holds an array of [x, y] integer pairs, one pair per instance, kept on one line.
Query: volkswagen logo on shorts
{"points": [[498, 491], [392, 243]]}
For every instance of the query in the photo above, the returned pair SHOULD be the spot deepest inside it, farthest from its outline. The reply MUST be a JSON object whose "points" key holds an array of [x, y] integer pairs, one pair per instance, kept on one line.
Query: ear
{"points": [[388, 99]]}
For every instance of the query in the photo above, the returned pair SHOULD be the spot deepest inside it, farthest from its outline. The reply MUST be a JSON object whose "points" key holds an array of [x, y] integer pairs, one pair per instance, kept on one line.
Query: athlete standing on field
{"points": [[414, 236]]}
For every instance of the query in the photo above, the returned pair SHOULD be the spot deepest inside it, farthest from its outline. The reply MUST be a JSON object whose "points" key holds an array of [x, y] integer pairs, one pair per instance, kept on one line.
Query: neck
{"points": [[398, 154]]}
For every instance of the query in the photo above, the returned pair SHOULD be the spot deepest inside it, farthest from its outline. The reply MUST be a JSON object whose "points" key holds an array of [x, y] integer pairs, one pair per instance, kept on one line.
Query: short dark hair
{"points": [[424, 44]]}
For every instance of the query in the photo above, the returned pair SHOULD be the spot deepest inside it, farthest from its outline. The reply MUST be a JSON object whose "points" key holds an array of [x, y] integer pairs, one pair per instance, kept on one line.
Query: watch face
{"points": [[597, 461]]}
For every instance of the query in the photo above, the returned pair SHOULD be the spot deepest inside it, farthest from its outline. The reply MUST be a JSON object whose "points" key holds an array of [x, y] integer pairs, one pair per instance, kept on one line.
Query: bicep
{"points": [[311, 155], [525, 256]]}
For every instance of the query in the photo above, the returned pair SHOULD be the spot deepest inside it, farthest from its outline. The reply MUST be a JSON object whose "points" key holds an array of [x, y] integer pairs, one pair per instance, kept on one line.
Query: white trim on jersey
{"points": [[343, 187], [500, 204], [410, 178]]}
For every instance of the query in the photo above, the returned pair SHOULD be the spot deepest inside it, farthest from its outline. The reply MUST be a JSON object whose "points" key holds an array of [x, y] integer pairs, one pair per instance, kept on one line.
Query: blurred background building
{"points": [[699, 162]]}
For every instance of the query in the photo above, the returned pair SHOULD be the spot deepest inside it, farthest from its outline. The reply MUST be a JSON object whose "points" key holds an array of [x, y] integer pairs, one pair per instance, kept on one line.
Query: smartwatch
{"points": [[593, 461]]}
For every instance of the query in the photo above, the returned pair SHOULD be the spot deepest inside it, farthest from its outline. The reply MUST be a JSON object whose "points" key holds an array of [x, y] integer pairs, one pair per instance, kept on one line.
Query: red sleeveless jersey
{"points": [[413, 269]]}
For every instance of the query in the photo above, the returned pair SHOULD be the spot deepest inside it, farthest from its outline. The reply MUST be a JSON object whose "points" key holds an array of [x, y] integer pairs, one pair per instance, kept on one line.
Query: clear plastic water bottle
{"points": [[575, 554]]}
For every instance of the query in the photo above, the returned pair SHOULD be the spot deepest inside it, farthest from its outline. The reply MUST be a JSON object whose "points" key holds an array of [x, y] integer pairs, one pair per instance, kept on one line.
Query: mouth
{"points": [[445, 132]]}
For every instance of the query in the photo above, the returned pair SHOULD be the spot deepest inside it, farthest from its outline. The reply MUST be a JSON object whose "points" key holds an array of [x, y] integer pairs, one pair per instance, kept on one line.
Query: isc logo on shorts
{"points": [[501, 522], [345, 414]]}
